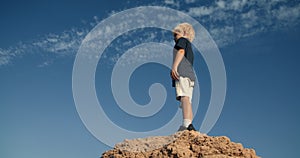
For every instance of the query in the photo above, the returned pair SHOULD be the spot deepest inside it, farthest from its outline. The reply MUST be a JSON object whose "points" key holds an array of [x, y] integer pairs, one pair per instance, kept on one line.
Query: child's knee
{"points": [[184, 98]]}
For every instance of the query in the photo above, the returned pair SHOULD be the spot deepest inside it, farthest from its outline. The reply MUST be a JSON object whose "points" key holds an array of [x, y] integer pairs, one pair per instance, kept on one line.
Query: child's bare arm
{"points": [[179, 56]]}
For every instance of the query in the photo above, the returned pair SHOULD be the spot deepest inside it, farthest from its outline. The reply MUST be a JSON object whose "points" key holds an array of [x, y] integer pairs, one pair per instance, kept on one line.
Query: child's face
{"points": [[176, 36]]}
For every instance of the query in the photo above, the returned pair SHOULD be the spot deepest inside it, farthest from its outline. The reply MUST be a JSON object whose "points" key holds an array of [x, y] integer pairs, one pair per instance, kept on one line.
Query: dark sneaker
{"points": [[182, 128], [191, 128]]}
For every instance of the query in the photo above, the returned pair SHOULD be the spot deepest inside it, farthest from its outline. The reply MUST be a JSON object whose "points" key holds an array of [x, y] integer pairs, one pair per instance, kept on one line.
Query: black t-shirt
{"points": [[183, 43], [185, 67]]}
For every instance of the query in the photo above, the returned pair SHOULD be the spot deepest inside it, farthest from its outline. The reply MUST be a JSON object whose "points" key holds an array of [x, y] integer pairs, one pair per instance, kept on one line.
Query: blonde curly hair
{"points": [[186, 30]]}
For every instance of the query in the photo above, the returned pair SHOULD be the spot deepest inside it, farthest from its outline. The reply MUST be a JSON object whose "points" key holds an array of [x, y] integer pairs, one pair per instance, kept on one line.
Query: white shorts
{"points": [[184, 87]]}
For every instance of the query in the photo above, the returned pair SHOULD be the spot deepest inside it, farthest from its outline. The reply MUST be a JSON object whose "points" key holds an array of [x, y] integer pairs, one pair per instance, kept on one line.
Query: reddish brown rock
{"points": [[184, 144]]}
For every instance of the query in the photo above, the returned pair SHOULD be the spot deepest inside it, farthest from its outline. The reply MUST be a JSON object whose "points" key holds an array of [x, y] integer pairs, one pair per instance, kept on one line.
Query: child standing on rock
{"points": [[182, 72]]}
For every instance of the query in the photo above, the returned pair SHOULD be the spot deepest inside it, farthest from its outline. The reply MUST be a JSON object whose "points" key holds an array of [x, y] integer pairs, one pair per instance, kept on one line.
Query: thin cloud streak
{"points": [[226, 21], [230, 21], [65, 43]]}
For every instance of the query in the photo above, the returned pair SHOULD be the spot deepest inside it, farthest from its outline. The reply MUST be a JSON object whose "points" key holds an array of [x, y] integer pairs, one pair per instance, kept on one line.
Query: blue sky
{"points": [[258, 40]]}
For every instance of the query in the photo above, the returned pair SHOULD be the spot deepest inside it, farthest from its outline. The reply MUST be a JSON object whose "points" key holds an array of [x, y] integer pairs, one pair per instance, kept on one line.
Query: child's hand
{"points": [[174, 75]]}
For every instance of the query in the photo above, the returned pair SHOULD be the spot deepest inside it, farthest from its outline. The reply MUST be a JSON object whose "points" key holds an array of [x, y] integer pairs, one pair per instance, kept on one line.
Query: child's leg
{"points": [[187, 111]]}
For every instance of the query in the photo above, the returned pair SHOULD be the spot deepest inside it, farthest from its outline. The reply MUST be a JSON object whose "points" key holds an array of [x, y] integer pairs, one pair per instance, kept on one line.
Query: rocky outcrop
{"points": [[184, 144]]}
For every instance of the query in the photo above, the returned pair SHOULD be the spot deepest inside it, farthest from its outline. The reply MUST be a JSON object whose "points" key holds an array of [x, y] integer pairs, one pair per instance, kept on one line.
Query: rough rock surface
{"points": [[181, 144]]}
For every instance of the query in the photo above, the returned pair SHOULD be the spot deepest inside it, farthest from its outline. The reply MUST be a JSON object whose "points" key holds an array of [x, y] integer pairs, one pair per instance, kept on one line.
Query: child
{"points": [[182, 73]]}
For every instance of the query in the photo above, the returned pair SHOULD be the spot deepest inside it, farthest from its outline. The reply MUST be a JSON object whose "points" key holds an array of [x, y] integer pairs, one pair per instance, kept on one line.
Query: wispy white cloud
{"points": [[5, 57], [200, 11], [130, 40], [45, 63], [65, 43], [287, 14], [189, 1], [172, 3], [227, 22]]}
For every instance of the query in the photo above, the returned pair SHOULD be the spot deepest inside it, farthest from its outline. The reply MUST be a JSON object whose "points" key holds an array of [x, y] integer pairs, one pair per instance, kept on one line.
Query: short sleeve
{"points": [[180, 44]]}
